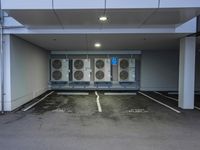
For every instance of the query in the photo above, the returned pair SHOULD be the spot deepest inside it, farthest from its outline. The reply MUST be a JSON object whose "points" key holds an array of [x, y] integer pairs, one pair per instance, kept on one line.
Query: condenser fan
{"points": [[100, 64], [99, 75], [123, 75], [57, 75], [124, 64], [78, 64], [57, 64], [78, 75]]}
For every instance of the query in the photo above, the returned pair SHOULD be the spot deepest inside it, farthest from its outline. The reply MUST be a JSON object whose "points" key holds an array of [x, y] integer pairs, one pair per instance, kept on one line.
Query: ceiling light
{"points": [[97, 45], [103, 18]]}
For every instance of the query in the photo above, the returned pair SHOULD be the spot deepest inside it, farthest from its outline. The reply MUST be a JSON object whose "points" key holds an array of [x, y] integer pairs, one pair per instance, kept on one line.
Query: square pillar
{"points": [[187, 72]]}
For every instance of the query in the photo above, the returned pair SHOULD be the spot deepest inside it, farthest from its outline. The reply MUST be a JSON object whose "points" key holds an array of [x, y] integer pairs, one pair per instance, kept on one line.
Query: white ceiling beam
{"points": [[90, 31], [179, 3], [188, 27], [26, 4], [128, 4], [97, 4], [78, 4]]}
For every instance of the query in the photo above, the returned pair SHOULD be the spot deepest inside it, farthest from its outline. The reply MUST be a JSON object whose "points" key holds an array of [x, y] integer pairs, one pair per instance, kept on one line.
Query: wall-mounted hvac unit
{"points": [[126, 70], [60, 70], [81, 70], [102, 71]]}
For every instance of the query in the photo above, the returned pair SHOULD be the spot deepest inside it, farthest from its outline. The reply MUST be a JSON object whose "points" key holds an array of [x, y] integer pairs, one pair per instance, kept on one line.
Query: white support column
{"points": [[187, 72]]}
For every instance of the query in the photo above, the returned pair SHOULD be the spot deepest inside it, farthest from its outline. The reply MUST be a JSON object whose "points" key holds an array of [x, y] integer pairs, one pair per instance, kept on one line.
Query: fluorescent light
{"points": [[97, 45], [103, 18]]}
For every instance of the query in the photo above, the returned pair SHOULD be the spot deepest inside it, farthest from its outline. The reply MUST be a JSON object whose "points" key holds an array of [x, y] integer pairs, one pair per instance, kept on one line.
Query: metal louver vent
{"points": [[78, 64], [57, 64], [78, 75], [57, 75], [100, 64], [124, 75], [100, 75], [124, 64]]}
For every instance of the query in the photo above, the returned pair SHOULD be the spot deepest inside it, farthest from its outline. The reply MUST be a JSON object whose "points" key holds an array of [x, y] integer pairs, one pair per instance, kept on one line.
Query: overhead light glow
{"points": [[103, 18], [97, 45]]}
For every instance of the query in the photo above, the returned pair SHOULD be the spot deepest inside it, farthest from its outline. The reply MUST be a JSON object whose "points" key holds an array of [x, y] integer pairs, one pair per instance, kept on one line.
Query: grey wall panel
{"points": [[197, 77], [159, 70], [29, 71]]}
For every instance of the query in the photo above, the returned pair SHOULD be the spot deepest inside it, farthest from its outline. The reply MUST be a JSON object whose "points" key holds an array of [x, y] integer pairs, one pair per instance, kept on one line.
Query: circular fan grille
{"points": [[57, 64], [78, 75], [78, 64], [123, 75], [99, 75], [124, 64], [57, 75], [100, 64]]}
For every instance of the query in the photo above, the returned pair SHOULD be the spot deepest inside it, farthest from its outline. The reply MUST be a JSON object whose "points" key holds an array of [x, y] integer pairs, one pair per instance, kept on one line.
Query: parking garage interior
{"points": [[100, 75]]}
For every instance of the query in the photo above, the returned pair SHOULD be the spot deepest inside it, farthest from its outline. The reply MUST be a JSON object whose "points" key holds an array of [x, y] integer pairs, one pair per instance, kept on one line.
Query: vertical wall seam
{"points": [[2, 58], [56, 15]]}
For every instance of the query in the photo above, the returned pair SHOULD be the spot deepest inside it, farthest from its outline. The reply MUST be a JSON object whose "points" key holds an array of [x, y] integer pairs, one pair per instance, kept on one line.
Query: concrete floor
{"points": [[74, 123]]}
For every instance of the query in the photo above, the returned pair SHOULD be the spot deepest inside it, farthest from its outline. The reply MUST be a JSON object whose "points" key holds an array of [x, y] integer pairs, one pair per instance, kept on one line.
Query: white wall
{"points": [[7, 73], [159, 70], [28, 72]]}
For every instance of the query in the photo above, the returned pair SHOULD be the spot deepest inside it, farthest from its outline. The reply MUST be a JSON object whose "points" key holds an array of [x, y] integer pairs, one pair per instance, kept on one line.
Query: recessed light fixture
{"points": [[103, 18], [97, 45]]}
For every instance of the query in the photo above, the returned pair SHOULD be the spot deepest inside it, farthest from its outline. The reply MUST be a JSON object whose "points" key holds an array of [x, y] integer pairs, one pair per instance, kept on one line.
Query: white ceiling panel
{"points": [[116, 17], [109, 42], [39, 18], [172, 16], [26, 4], [79, 4], [179, 3], [113, 4]]}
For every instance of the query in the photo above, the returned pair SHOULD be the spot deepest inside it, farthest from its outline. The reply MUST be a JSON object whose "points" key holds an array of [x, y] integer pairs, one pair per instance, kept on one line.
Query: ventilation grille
{"points": [[99, 75], [78, 75], [78, 64], [57, 64], [100, 64], [124, 64]]}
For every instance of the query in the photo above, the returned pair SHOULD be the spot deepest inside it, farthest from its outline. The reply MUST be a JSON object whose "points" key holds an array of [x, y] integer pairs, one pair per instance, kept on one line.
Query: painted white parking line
{"points": [[72, 93], [196, 107], [173, 99], [110, 94], [29, 107], [98, 102], [153, 99]]}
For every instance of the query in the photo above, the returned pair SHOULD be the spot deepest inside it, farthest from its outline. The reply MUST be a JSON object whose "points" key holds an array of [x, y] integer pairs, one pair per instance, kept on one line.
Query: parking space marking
{"points": [[72, 93], [98, 102], [29, 107], [112, 94], [166, 96], [173, 99], [153, 99]]}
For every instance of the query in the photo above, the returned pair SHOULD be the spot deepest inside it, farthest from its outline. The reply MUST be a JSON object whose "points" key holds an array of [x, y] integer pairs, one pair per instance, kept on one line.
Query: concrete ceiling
{"points": [[117, 17], [108, 41], [120, 18]]}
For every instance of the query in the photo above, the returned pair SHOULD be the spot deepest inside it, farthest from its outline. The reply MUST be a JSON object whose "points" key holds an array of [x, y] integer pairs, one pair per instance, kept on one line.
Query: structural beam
{"points": [[187, 72]]}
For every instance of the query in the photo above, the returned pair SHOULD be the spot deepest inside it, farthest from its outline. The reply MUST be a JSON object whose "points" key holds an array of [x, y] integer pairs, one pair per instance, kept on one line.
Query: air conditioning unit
{"points": [[81, 70], [126, 70], [60, 70], [102, 70]]}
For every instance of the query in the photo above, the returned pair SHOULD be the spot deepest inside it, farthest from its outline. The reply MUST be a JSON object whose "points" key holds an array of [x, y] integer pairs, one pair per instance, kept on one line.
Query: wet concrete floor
{"points": [[74, 123]]}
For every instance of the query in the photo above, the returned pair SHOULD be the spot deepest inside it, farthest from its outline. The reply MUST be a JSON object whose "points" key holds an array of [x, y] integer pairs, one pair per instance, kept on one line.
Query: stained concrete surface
{"points": [[74, 123], [196, 98]]}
